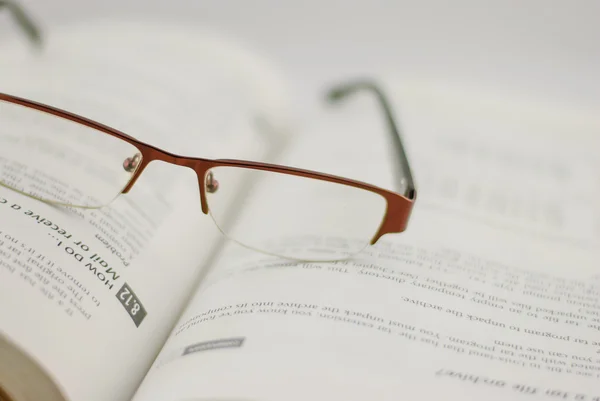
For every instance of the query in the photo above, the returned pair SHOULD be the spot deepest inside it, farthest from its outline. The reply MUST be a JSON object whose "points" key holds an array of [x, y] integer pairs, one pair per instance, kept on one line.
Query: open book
{"points": [[492, 293]]}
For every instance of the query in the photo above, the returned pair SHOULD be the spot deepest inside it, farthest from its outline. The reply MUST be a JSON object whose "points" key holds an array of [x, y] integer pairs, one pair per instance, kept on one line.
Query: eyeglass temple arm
{"points": [[402, 171], [24, 21]]}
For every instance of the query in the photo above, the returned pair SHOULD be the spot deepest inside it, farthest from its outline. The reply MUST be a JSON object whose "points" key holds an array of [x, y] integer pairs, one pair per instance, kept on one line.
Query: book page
{"points": [[92, 294], [492, 293]]}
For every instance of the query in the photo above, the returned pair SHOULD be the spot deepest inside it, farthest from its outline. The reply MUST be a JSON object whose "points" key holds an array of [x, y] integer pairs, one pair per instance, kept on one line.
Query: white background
{"points": [[549, 48]]}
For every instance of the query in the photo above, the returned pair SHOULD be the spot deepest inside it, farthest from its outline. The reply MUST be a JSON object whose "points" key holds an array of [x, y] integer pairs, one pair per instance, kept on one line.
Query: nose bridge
{"points": [[150, 154], [201, 168]]}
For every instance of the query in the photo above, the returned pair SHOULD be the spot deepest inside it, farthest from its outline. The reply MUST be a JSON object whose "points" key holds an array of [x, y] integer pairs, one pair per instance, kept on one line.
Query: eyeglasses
{"points": [[64, 159]]}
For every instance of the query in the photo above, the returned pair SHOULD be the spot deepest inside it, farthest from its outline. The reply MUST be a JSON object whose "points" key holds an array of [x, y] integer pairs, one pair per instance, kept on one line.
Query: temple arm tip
{"points": [[336, 94], [341, 91], [28, 26]]}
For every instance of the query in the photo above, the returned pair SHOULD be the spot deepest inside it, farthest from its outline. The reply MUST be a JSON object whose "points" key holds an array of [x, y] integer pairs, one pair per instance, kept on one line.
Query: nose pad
{"points": [[132, 163], [212, 185]]}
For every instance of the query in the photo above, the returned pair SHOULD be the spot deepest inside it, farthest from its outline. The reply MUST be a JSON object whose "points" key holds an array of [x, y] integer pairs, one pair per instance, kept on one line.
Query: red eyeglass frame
{"points": [[398, 210]]}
